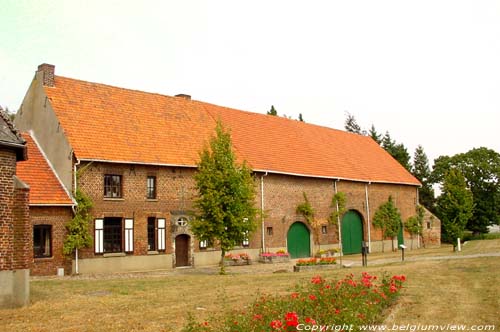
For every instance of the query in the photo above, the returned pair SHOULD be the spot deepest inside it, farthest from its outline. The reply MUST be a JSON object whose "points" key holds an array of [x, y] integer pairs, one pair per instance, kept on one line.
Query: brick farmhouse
{"points": [[135, 154]]}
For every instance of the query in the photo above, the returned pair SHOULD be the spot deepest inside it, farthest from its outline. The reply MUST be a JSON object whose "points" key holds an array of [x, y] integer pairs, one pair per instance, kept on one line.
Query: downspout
{"points": [[368, 218], [338, 222], [262, 212], [74, 211], [416, 205]]}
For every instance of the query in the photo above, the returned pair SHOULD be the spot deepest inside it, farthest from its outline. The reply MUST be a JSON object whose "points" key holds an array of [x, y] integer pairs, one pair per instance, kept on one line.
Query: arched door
{"points": [[182, 244], [352, 233], [299, 241]]}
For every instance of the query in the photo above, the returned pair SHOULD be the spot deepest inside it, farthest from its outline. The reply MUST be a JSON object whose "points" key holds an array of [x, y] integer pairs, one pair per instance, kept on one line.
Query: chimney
{"points": [[183, 96], [48, 73]]}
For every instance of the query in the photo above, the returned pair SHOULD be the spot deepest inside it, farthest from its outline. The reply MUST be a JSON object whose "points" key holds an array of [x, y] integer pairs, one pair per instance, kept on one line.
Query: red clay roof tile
{"points": [[45, 188], [114, 124]]}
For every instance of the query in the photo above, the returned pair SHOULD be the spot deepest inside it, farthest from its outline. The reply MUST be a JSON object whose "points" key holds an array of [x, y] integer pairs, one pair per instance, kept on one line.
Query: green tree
{"points": [[397, 150], [225, 203], [481, 169], [78, 228], [375, 135], [272, 111], [414, 224], [422, 172], [454, 206], [351, 125], [301, 119], [388, 219]]}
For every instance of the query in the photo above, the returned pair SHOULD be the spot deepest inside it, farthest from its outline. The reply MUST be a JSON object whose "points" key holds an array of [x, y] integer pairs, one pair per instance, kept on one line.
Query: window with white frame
{"points": [[42, 241], [113, 235]]}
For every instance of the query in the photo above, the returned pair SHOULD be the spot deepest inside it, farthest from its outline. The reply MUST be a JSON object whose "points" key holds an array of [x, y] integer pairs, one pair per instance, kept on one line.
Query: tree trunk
{"points": [[383, 238], [222, 267]]}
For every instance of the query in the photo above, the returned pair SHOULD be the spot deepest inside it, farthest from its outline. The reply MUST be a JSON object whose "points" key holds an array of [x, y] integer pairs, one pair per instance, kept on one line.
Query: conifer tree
{"points": [[272, 111], [422, 172], [375, 135]]}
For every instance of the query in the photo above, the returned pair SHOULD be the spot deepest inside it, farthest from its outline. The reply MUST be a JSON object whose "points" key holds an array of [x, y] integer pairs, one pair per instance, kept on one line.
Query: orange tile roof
{"points": [[45, 187], [115, 124]]}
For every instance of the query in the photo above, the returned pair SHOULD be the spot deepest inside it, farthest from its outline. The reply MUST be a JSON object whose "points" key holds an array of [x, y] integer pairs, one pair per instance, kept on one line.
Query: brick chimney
{"points": [[183, 96], [48, 73]]}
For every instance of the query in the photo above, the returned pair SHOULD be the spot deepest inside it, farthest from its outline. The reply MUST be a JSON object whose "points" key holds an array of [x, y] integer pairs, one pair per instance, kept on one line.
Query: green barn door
{"points": [[352, 233], [299, 241]]}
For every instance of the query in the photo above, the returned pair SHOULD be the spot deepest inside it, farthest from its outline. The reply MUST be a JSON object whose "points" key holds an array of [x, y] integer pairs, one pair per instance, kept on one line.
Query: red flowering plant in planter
{"points": [[350, 300]]}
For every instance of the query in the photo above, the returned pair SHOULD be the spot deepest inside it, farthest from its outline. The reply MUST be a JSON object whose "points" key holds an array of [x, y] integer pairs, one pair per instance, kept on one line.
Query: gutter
{"points": [[262, 211]]}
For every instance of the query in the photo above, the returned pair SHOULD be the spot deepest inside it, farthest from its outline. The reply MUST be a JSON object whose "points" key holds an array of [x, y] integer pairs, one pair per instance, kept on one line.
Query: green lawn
{"points": [[437, 292]]}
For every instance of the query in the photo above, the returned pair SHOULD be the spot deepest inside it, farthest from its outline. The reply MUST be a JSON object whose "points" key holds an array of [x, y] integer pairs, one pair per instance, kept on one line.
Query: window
{"points": [[203, 244], [269, 231], [151, 187], [324, 229], [112, 235], [112, 186], [245, 242], [428, 225], [151, 233], [42, 241], [182, 221]]}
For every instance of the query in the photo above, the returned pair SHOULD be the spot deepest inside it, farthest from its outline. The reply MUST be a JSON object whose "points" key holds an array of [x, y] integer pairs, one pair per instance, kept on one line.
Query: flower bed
{"points": [[349, 302], [237, 259], [274, 257], [315, 264]]}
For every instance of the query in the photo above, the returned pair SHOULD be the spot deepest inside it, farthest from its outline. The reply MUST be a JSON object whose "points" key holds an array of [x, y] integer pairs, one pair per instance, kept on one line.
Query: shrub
{"points": [[319, 302]]}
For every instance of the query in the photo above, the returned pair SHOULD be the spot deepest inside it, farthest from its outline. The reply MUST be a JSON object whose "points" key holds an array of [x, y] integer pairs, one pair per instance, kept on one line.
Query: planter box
{"points": [[239, 262], [274, 259], [314, 267]]}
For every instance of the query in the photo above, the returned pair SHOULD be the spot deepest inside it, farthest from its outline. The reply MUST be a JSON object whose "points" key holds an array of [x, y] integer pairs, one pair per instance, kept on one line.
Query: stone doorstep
{"points": [[314, 267]]}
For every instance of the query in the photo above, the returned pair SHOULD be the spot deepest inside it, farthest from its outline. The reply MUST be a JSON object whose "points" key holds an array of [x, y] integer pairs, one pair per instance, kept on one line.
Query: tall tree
{"points": [[422, 172], [375, 135], [351, 125], [454, 206], [481, 169], [397, 150], [301, 119], [225, 203], [272, 111], [388, 219]]}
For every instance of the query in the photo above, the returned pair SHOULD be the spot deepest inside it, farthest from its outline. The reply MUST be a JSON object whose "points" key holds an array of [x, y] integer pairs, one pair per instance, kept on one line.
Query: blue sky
{"points": [[426, 71]]}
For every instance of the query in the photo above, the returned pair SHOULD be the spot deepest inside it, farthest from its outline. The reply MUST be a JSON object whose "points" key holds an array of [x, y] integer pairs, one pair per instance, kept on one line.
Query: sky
{"points": [[427, 71]]}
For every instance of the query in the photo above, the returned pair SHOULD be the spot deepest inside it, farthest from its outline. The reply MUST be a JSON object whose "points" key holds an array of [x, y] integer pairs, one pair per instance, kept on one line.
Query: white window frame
{"points": [[99, 236], [161, 234], [129, 235]]}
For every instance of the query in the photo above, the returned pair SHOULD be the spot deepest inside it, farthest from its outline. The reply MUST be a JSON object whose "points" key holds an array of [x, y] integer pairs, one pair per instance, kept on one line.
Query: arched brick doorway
{"points": [[182, 245]]}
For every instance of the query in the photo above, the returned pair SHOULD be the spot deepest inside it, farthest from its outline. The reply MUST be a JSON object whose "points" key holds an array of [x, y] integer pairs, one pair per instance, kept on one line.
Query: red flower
{"points": [[292, 319], [310, 320], [337, 311], [393, 289], [316, 280], [312, 297], [257, 317], [295, 295], [276, 324]]}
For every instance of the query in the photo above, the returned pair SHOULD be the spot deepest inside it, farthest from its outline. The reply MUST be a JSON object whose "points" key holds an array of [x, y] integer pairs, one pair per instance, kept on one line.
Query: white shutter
{"points": [[129, 235], [98, 236], [161, 234]]}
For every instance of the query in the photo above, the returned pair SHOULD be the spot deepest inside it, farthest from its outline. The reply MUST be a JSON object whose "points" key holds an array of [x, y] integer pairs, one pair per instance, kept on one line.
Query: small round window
{"points": [[182, 221]]}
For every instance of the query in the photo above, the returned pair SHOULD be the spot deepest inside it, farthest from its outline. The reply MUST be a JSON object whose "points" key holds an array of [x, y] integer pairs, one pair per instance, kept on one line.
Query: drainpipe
{"points": [[74, 210], [368, 218], [416, 205], [338, 222], [262, 212]]}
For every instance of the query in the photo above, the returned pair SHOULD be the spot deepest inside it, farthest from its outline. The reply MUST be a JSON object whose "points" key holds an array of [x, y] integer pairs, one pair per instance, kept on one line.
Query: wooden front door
{"points": [[182, 243], [352, 233], [299, 241]]}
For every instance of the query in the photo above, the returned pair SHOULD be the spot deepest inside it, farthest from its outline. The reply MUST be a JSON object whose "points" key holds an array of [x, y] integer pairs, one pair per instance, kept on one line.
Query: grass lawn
{"points": [[437, 292]]}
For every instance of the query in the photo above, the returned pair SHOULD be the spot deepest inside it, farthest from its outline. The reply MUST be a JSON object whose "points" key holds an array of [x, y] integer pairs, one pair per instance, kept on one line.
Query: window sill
{"points": [[153, 252], [41, 259], [151, 199], [113, 199], [114, 254]]}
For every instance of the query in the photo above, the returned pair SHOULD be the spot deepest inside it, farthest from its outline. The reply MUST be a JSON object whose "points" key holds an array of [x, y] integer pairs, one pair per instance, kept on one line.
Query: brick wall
{"points": [[282, 195], [23, 239], [7, 171], [175, 192], [57, 217]]}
